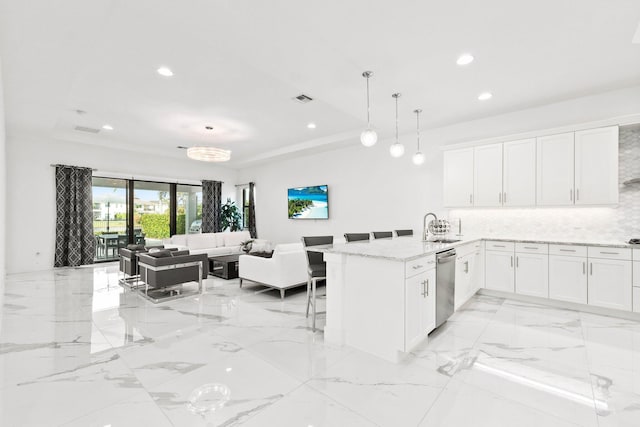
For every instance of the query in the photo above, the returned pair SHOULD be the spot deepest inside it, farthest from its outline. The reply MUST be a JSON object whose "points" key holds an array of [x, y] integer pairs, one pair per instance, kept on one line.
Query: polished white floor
{"points": [[77, 350]]}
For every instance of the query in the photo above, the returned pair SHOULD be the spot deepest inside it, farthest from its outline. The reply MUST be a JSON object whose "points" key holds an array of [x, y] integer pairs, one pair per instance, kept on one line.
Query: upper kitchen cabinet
{"points": [[555, 169], [458, 178], [487, 175], [596, 175], [519, 176]]}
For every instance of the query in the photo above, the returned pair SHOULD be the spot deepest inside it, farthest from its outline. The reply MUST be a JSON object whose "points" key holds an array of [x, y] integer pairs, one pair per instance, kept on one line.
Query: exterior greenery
{"points": [[155, 226]]}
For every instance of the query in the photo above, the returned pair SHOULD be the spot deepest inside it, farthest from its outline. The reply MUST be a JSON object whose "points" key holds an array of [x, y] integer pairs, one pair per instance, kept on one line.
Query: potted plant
{"points": [[230, 216]]}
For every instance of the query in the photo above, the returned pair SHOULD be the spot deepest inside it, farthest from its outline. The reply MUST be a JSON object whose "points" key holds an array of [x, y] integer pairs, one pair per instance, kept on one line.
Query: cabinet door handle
{"points": [[499, 246], [567, 250], [416, 267], [504, 198], [609, 253], [584, 268], [466, 266], [531, 247], [500, 197], [424, 288], [591, 268], [470, 199], [511, 261], [427, 291], [517, 262], [571, 195], [577, 194]]}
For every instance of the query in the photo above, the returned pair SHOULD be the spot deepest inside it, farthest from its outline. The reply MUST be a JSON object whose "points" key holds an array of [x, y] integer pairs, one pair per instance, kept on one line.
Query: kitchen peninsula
{"points": [[381, 294]]}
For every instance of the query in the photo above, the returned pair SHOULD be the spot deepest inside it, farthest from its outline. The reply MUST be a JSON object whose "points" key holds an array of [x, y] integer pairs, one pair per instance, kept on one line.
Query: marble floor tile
{"points": [[78, 349]]}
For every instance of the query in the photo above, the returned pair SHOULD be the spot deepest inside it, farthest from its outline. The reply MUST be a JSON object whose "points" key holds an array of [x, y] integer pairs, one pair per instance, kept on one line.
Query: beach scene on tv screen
{"points": [[308, 202]]}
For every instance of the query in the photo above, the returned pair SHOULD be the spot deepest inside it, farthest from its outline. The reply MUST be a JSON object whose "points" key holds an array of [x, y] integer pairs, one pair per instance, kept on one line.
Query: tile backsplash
{"points": [[615, 224]]}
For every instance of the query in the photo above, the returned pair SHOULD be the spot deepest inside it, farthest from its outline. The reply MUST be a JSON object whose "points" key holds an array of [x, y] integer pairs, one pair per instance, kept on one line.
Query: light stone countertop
{"points": [[410, 248]]}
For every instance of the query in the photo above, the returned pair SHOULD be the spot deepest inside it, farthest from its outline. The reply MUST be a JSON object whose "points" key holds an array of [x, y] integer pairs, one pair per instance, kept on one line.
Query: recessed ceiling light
{"points": [[484, 96], [465, 59], [107, 127], [208, 127], [165, 71], [311, 125]]}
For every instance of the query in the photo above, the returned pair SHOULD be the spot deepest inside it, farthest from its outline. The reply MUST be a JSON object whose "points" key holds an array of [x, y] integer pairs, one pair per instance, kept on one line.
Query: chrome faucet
{"points": [[425, 229]]}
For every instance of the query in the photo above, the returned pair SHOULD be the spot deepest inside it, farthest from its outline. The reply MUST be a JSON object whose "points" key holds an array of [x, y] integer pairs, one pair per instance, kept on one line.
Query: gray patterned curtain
{"points": [[75, 244], [252, 211], [211, 203]]}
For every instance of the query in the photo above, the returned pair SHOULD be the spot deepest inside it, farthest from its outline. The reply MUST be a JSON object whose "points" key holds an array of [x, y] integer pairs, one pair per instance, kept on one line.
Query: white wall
{"points": [[3, 183], [31, 208], [369, 191]]}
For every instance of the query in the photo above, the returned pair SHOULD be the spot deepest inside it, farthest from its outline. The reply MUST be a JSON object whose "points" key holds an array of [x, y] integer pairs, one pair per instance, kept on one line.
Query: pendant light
{"points": [[396, 149], [418, 158], [368, 137]]}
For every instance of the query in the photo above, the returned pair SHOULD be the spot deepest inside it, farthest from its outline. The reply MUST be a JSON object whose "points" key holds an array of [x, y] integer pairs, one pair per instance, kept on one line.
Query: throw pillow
{"points": [[160, 253]]}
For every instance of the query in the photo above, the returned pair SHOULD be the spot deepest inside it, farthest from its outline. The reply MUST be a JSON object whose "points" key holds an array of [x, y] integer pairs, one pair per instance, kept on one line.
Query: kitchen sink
{"points": [[444, 240]]}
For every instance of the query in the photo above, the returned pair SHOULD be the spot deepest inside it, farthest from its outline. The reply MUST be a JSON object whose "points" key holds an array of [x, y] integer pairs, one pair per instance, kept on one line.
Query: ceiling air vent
{"points": [[86, 129], [303, 99]]}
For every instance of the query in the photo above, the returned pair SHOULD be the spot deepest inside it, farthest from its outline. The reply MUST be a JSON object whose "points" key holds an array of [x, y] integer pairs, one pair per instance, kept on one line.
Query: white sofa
{"points": [[287, 268], [214, 244]]}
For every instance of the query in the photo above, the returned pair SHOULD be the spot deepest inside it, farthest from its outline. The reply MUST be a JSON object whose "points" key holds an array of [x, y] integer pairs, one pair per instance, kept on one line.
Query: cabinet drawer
{"points": [[532, 248], [493, 245], [609, 253], [568, 250], [636, 273], [419, 265]]}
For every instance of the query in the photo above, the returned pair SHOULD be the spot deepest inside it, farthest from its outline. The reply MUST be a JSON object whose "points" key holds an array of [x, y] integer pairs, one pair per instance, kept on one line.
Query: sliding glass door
{"points": [[110, 225], [141, 212]]}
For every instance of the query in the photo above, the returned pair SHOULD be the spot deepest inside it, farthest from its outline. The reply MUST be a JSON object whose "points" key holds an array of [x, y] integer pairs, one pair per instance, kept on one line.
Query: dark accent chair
{"points": [[356, 237], [129, 261], [316, 269], [400, 233], [382, 234], [167, 270]]}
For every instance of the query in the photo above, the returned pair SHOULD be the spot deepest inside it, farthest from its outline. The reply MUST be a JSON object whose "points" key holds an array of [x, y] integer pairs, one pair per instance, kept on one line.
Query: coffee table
{"points": [[225, 267]]}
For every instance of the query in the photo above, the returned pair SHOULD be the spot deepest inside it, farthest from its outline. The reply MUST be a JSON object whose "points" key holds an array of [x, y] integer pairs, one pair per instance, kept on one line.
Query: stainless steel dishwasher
{"points": [[445, 285]]}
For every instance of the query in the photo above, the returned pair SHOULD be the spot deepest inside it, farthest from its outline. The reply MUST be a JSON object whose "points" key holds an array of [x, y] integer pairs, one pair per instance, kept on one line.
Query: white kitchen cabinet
{"points": [[499, 271], [519, 173], [458, 178], [420, 307], [636, 300], [555, 170], [532, 274], [487, 183], [596, 166], [464, 287], [568, 278], [610, 283]]}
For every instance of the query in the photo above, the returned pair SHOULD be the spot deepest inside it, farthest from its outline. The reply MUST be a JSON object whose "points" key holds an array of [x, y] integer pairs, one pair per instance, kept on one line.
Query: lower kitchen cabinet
{"points": [[568, 278], [532, 274], [610, 283], [499, 274], [636, 300], [420, 307]]}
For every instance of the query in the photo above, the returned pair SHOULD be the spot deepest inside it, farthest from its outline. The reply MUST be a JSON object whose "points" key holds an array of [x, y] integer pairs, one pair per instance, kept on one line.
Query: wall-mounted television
{"points": [[308, 202]]}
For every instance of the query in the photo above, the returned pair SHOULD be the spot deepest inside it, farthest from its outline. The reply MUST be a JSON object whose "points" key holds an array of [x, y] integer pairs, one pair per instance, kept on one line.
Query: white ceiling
{"points": [[237, 65]]}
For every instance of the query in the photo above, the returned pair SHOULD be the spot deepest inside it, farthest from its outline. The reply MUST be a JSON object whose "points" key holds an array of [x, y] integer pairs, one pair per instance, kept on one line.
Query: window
{"points": [[245, 207], [189, 209], [141, 212]]}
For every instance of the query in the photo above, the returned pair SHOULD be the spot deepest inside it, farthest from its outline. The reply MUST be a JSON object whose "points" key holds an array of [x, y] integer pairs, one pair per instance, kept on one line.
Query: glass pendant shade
{"points": [[396, 150], [368, 137], [418, 158]]}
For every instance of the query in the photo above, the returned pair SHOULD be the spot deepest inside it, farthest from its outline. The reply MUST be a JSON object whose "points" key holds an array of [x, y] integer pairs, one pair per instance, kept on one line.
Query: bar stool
{"points": [[316, 269], [382, 234], [355, 237], [400, 233]]}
